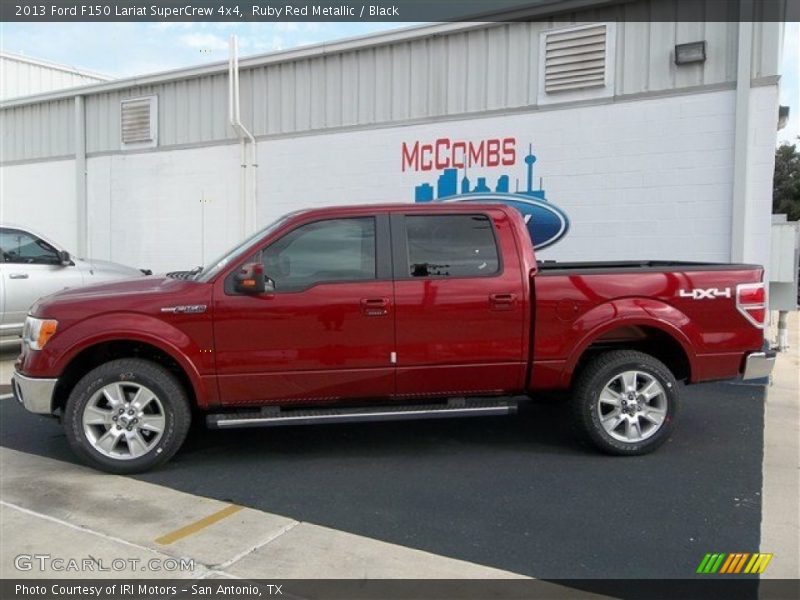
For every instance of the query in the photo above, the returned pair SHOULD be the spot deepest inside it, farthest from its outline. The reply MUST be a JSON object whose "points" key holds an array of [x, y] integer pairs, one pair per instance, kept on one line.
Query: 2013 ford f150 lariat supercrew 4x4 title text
{"points": [[385, 312]]}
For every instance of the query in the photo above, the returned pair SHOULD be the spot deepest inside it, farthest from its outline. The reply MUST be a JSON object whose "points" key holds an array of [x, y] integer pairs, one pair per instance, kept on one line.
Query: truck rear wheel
{"points": [[127, 416], [625, 402]]}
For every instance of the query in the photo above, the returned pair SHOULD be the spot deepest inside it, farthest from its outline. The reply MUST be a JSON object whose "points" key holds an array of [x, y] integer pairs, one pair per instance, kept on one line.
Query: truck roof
{"points": [[426, 207]]}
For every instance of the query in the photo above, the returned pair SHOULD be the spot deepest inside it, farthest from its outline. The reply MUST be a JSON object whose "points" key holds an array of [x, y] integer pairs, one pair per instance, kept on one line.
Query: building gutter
{"points": [[248, 201]]}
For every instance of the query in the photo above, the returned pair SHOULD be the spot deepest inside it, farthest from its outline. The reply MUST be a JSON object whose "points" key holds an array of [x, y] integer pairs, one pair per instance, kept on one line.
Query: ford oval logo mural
{"points": [[546, 222]]}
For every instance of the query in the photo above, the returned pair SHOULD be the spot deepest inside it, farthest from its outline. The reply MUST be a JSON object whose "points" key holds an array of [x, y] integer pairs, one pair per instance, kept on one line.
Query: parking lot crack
{"points": [[283, 530]]}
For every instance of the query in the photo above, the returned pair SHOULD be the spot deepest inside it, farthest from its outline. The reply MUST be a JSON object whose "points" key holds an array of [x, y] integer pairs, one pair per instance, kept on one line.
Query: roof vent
{"points": [[575, 58], [138, 121]]}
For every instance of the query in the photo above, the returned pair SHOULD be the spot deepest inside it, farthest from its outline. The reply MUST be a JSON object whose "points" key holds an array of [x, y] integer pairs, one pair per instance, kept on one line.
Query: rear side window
{"points": [[322, 252], [451, 246]]}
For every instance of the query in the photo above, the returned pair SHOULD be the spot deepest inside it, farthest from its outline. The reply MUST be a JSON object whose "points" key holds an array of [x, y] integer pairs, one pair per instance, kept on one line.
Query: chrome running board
{"points": [[277, 417]]}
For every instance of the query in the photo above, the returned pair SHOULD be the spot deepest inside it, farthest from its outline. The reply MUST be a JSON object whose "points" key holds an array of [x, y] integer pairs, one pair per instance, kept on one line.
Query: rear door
{"points": [[459, 302], [326, 332]]}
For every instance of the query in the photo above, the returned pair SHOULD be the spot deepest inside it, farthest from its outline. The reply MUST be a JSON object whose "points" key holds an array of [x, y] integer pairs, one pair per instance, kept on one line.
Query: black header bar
{"points": [[706, 588], [400, 11]]}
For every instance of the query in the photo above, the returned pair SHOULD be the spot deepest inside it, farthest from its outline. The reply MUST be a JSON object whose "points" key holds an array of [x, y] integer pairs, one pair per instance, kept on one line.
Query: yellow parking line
{"points": [[198, 525]]}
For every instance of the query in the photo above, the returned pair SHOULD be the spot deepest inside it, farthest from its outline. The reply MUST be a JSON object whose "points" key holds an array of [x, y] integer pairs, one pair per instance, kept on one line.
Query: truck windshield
{"points": [[215, 266]]}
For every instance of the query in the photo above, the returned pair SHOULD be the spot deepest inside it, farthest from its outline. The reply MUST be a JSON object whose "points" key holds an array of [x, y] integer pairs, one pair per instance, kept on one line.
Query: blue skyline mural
{"points": [[448, 185]]}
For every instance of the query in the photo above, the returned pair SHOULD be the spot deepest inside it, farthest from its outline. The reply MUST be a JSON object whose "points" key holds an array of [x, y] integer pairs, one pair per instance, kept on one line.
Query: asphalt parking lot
{"points": [[516, 493]]}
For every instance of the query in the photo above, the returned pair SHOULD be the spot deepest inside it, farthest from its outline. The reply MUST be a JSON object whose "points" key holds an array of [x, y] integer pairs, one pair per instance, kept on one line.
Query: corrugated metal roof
{"points": [[22, 76], [40, 62]]}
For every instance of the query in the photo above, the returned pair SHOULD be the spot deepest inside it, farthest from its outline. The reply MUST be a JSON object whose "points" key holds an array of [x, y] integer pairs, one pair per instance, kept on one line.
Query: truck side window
{"points": [[20, 247], [322, 252], [451, 246]]}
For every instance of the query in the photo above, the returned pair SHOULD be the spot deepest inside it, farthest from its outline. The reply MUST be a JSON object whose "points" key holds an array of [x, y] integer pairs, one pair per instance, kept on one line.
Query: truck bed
{"points": [[552, 267], [691, 304]]}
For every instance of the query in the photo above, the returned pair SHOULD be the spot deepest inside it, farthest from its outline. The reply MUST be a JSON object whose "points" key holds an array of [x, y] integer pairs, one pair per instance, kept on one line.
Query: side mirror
{"points": [[64, 258], [250, 279]]}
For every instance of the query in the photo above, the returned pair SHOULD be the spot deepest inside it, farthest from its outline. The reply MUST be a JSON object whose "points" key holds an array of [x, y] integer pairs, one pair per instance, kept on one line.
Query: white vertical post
{"points": [[741, 137], [80, 178]]}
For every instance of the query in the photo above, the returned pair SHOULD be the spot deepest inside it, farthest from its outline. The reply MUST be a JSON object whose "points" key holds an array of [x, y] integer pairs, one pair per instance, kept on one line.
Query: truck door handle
{"points": [[18, 276], [375, 307], [502, 301]]}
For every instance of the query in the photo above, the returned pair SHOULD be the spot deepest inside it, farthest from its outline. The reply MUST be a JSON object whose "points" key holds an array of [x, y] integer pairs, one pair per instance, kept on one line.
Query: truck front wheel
{"points": [[625, 402], [127, 416]]}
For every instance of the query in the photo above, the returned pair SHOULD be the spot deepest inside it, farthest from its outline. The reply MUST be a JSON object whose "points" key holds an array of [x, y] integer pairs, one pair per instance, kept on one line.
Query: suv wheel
{"points": [[127, 416], [625, 402]]}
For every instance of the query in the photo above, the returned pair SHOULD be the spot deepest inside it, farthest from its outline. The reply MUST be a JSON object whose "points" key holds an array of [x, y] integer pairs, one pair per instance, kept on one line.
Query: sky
{"points": [[127, 49]]}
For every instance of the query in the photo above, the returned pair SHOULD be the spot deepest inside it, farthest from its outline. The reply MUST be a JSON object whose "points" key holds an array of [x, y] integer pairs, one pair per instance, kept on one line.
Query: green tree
{"points": [[786, 183]]}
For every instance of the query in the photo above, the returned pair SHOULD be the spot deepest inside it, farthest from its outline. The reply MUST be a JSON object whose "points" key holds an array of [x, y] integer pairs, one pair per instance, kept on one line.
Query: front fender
{"points": [[170, 338], [643, 312]]}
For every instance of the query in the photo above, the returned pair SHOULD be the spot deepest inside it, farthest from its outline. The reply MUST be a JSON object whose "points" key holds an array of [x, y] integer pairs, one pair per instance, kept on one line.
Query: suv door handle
{"points": [[375, 307], [18, 276], [502, 301]]}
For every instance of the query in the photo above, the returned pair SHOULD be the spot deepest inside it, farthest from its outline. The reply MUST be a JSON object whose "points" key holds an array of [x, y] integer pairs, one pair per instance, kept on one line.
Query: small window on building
{"points": [[139, 122], [576, 63], [451, 246]]}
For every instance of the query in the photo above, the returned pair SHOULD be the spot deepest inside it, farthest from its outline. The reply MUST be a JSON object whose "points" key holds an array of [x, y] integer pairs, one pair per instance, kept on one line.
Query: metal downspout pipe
{"points": [[247, 204]]}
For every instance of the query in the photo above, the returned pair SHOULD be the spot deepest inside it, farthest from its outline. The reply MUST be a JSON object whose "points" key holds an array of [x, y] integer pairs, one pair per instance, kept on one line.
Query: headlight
{"points": [[37, 332]]}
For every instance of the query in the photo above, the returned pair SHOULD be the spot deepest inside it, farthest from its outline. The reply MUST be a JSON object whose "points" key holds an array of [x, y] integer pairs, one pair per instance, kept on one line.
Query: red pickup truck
{"points": [[385, 312]]}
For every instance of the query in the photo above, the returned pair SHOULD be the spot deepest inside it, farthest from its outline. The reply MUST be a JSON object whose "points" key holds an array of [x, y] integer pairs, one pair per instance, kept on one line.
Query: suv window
{"points": [[322, 252], [20, 247], [451, 246]]}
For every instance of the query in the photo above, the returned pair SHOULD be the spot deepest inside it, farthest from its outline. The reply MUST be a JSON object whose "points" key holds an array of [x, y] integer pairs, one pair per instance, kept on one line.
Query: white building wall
{"points": [[758, 215], [644, 179], [149, 210], [640, 179], [41, 196]]}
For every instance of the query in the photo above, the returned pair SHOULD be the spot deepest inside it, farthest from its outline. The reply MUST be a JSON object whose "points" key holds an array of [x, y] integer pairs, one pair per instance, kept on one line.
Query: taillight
{"points": [[751, 301]]}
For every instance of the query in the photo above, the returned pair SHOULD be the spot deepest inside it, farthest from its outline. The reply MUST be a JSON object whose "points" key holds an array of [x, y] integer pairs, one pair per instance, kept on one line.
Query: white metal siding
{"points": [[38, 130], [490, 68], [23, 78]]}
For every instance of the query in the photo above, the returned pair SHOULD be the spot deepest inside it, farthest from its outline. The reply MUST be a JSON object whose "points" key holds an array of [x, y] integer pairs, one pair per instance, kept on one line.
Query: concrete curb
{"points": [[780, 520]]}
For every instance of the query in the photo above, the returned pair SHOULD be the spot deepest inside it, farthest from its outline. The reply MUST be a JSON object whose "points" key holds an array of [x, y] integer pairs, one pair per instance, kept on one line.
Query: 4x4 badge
{"points": [[710, 293]]}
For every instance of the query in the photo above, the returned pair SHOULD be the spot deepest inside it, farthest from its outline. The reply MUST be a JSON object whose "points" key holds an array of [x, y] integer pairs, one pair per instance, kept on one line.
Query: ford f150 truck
{"points": [[385, 312]]}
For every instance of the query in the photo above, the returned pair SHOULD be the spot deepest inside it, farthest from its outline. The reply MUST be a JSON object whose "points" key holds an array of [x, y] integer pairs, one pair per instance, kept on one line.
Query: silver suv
{"points": [[33, 266]]}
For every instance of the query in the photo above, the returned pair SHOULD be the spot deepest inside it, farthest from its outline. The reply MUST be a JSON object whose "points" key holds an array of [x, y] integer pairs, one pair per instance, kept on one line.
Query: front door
{"points": [[326, 332], [460, 300], [30, 269]]}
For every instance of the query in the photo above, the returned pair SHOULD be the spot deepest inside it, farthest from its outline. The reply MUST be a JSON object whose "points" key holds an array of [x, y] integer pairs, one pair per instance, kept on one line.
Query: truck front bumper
{"points": [[34, 393], [758, 365]]}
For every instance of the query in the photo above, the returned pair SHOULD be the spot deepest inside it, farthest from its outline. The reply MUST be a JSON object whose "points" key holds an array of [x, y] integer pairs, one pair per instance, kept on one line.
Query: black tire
{"points": [[169, 392], [591, 381]]}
